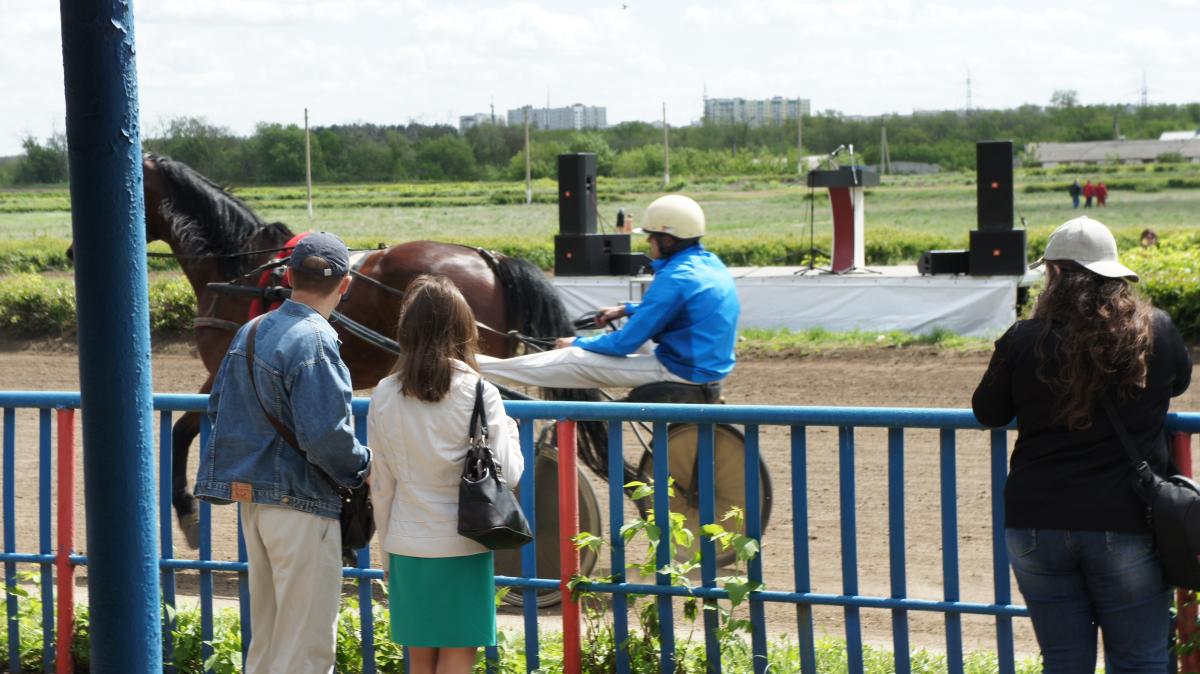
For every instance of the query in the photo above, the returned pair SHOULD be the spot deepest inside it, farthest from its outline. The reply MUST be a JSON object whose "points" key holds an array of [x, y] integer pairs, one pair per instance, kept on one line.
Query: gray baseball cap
{"points": [[325, 246], [1089, 244]]}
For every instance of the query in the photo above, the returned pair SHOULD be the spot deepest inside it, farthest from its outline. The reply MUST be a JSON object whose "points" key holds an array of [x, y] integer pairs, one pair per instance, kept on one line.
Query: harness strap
{"points": [[218, 323]]}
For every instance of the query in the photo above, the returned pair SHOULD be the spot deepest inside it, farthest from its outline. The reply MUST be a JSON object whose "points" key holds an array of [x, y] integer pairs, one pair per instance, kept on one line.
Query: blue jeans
{"points": [[1077, 581]]}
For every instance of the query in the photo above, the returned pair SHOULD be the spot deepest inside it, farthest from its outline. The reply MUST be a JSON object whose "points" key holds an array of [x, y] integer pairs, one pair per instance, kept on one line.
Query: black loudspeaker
{"points": [[587, 254], [577, 193], [629, 264], [944, 262], [998, 253], [994, 184]]}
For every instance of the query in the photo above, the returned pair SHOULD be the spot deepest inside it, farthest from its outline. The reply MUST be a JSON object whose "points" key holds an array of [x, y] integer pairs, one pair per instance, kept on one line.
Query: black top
{"points": [[1062, 479]]}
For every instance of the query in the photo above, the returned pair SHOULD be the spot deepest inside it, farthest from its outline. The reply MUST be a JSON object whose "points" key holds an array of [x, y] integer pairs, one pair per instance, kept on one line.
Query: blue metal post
{"points": [[10, 537], [165, 445], [954, 645], [896, 541], [108, 225], [848, 509], [529, 551], [800, 552], [1004, 629], [616, 521]]}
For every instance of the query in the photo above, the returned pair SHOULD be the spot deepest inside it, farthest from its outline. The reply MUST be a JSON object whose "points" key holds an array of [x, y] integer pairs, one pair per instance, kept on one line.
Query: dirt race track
{"points": [[883, 377]]}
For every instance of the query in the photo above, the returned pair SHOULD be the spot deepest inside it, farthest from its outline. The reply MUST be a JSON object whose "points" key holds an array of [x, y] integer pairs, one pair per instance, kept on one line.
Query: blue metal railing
{"points": [[796, 419]]}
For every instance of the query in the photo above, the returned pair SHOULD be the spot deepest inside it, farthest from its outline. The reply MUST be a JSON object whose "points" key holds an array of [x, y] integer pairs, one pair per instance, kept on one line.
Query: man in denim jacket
{"points": [[289, 510]]}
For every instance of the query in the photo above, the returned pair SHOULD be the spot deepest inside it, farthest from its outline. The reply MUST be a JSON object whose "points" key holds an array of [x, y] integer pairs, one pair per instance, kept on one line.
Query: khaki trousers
{"points": [[295, 586], [574, 367]]}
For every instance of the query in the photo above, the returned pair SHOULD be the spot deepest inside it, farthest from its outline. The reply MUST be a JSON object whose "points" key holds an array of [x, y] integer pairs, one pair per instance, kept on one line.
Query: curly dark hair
{"points": [[1105, 331]]}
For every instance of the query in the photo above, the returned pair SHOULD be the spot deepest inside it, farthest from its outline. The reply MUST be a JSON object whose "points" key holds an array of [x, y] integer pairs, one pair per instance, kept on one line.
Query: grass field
{"points": [[737, 209]]}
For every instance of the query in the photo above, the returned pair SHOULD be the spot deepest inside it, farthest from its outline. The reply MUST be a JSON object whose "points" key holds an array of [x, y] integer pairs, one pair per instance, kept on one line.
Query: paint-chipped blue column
{"points": [[108, 221]]}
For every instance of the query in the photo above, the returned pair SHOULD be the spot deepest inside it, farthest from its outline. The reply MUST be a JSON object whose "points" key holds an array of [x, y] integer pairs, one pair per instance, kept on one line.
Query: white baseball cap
{"points": [[1089, 244]]}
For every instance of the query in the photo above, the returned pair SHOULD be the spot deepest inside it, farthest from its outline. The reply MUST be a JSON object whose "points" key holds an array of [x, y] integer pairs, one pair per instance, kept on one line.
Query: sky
{"points": [[236, 63]]}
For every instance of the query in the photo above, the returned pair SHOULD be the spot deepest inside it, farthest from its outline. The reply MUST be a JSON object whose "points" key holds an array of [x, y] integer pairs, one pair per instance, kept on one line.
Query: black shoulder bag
{"points": [[1172, 509], [488, 512], [358, 515]]}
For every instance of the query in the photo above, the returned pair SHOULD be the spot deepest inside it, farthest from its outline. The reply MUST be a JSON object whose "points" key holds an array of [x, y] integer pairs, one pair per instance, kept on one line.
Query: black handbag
{"points": [[358, 515], [1172, 509], [488, 512]]}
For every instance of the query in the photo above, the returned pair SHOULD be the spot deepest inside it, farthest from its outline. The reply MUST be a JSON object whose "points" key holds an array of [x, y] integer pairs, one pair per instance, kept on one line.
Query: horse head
{"points": [[155, 192]]}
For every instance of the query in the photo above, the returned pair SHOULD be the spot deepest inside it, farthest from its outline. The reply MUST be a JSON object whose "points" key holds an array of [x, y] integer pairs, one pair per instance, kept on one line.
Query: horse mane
{"points": [[207, 220], [535, 309]]}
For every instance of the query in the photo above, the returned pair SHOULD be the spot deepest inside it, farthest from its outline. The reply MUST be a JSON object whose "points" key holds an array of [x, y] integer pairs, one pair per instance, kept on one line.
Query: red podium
{"points": [[846, 188]]}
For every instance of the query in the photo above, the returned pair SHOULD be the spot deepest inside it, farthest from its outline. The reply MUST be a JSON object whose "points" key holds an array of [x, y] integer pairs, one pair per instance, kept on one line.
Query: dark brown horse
{"points": [[217, 238]]}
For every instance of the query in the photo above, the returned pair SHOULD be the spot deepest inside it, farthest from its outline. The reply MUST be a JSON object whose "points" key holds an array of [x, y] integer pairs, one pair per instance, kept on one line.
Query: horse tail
{"points": [[534, 309]]}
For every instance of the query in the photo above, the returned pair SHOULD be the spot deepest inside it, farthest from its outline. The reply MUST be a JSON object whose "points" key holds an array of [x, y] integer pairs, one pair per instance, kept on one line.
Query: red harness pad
{"points": [[268, 276]]}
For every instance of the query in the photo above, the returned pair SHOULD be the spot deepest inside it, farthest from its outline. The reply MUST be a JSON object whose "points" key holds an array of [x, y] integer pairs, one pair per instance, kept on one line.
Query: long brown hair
{"points": [[1105, 331], [436, 327]]}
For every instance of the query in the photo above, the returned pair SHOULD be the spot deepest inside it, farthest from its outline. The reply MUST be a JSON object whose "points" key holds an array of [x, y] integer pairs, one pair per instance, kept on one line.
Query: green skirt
{"points": [[443, 602]]}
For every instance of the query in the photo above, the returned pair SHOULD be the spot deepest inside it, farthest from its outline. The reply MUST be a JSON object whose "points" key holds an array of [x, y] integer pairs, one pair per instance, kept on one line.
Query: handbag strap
{"points": [[1140, 465], [479, 422], [479, 433], [284, 432]]}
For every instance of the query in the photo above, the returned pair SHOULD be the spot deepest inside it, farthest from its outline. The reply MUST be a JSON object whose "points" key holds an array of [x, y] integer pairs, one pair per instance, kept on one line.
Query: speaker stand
{"points": [[812, 269]]}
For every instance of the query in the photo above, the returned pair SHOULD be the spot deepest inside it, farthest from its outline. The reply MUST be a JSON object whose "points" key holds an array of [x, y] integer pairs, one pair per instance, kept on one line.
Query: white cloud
{"points": [[237, 62]]}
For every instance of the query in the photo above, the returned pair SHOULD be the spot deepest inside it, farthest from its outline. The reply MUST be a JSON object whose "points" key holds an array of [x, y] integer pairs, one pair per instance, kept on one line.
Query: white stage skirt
{"points": [[881, 299]]}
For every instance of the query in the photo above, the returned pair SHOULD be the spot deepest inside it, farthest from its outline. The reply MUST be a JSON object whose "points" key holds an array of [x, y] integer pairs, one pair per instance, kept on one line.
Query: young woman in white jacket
{"points": [[441, 585]]}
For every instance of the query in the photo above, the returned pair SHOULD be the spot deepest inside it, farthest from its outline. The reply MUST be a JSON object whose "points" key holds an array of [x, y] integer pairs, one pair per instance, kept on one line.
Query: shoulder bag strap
{"points": [[284, 432], [1140, 465]]}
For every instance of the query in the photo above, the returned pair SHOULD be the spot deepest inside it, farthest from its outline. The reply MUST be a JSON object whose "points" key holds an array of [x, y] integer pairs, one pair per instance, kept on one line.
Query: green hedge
{"points": [[35, 306]]}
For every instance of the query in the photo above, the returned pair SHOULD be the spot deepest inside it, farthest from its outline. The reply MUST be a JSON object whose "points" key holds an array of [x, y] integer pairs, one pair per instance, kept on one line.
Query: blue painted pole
{"points": [[108, 225]]}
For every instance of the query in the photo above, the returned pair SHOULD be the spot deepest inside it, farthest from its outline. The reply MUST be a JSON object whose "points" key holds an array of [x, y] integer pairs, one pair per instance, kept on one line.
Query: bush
{"points": [[34, 306]]}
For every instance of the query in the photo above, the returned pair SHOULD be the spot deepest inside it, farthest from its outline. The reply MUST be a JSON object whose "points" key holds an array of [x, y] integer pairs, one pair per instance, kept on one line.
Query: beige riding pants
{"points": [[574, 367], [295, 585]]}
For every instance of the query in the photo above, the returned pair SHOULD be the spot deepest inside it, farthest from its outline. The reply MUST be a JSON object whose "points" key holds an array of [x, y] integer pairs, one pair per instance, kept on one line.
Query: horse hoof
{"points": [[190, 524]]}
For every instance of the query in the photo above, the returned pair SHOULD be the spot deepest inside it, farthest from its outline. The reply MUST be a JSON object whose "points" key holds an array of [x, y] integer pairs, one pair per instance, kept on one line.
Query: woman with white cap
{"points": [[1076, 532]]}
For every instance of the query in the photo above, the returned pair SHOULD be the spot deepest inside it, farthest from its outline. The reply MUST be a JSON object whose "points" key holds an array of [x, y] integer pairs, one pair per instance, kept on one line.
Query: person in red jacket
{"points": [[1089, 191], [1101, 195]]}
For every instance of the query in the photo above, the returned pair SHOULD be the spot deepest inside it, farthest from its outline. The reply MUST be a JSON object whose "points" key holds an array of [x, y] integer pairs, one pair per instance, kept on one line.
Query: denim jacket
{"points": [[303, 382]]}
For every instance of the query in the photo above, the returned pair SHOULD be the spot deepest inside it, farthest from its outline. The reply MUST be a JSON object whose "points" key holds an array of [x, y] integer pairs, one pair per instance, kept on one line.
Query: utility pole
{"points": [[968, 89], [528, 164], [666, 149], [799, 138], [885, 154], [308, 166]]}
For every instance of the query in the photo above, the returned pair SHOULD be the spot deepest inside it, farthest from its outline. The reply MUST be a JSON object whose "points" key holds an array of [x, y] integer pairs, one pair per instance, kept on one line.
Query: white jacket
{"points": [[419, 450]]}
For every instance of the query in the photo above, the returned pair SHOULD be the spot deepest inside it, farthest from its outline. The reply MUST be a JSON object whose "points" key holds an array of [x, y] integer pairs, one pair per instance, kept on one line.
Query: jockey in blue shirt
{"points": [[690, 312]]}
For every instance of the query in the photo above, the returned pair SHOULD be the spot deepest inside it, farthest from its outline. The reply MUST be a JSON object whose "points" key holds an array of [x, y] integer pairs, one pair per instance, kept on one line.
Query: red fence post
{"points": [[568, 529], [1185, 600], [65, 580]]}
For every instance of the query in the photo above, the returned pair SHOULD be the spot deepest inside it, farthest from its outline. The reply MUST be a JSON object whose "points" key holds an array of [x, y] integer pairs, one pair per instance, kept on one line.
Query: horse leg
{"points": [[182, 433], [185, 430]]}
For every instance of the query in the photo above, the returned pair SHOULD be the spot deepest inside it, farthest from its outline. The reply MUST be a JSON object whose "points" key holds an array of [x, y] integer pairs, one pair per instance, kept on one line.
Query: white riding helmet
{"points": [[676, 215]]}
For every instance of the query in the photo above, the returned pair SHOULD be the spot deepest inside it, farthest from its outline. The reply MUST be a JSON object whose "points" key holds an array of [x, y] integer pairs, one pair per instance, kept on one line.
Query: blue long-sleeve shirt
{"points": [[690, 310]]}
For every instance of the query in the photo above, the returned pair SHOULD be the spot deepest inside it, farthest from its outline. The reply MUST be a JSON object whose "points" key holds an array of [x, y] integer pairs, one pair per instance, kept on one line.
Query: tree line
{"points": [[274, 153]]}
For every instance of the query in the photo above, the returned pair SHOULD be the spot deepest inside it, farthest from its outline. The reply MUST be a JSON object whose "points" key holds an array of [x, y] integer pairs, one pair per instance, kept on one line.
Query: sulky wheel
{"points": [[729, 446]]}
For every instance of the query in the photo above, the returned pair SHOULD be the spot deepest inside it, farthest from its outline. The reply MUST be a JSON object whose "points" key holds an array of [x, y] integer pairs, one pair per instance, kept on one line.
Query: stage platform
{"points": [[879, 298]]}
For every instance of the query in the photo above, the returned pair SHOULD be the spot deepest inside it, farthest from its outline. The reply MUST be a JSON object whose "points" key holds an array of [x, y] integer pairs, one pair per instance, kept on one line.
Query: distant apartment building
{"points": [[478, 119], [755, 112], [577, 116]]}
